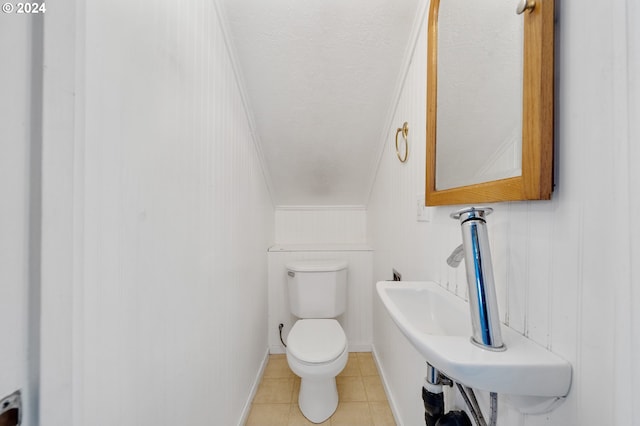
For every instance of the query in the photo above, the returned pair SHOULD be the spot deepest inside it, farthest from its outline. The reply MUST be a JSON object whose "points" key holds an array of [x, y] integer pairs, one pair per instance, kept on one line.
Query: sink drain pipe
{"points": [[433, 398], [434, 410]]}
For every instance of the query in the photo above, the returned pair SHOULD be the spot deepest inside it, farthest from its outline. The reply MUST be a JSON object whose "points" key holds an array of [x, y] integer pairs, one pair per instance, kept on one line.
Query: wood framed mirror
{"points": [[534, 178]]}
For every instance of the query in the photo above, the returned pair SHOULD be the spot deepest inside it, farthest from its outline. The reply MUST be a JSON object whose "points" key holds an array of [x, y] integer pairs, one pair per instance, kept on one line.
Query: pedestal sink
{"points": [[437, 323]]}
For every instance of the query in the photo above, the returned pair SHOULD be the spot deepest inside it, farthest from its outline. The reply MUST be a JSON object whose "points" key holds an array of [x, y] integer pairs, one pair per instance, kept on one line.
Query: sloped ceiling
{"points": [[320, 78]]}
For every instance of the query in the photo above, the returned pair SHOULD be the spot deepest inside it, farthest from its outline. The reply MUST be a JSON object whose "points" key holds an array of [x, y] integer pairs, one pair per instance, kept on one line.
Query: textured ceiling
{"points": [[320, 78]]}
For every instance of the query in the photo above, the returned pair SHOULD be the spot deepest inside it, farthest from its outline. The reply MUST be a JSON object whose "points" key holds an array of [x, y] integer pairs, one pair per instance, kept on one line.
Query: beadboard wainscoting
{"points": [[564, 268], [321, 225], [171, 218]]}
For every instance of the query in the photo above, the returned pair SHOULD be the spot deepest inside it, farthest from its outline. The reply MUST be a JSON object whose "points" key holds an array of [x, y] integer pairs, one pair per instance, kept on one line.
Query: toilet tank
{"points": [[317, 288]]}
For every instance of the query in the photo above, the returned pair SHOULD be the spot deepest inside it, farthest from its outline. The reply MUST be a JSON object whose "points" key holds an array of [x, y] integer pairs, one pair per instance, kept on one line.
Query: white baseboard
{"points": [[359, 347], [387, 390], [254, 388], [277, 349]]}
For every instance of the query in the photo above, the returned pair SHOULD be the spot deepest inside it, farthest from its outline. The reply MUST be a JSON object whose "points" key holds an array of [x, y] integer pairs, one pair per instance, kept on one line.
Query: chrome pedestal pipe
{"points": [[485, 318]]}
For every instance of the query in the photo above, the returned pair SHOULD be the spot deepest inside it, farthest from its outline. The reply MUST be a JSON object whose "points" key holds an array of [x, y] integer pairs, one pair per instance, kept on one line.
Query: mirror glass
{"points": [[490, 86], [479, 93]]}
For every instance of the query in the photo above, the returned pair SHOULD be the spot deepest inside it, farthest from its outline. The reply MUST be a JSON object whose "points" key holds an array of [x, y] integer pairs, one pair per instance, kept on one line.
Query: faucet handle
{"points": [[456, 256], [471, 213]]}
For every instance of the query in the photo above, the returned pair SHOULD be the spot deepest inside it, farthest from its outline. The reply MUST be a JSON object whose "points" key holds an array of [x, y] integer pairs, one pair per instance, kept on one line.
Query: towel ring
{"points": [[405, 132]]}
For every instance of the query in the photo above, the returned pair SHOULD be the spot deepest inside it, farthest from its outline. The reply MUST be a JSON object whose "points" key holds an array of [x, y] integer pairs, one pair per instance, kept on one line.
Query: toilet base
{"points": [[318, 399]]}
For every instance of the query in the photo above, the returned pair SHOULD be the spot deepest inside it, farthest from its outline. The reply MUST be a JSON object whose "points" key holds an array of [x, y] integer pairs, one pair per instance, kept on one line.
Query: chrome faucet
{"points": [[485, 319], [456, 257]]}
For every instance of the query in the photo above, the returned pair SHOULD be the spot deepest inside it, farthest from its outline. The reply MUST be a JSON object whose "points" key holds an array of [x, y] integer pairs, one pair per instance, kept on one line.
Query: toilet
{"points": [[316, 345]]}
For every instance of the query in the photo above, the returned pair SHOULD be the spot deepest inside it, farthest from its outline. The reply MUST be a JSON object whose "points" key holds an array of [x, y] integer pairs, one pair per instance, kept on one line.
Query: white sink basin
{"points": [[437, 323]]}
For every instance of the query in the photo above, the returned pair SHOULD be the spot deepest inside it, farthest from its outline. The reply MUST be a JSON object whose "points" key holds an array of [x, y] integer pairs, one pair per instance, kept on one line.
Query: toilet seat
{"points": [[316, 341]]}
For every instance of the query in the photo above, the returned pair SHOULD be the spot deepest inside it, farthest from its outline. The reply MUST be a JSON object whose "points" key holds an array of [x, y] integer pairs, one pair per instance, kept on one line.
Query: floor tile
{"points": [[351, 389], [367, 364], [296, 390], [272, 391], [352, 414], [361, 392], [296, 418], [268, 415], [352, 368], [374, 389], [278, 368], [381, 413]]}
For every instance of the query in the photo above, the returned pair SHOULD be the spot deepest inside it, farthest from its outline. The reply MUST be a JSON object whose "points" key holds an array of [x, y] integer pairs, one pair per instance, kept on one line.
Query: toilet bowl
{"points": [[317, 351]]}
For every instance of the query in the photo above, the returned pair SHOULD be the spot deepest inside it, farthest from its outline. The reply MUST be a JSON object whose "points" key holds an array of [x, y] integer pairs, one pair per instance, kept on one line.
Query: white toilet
{"points": [[316, 345]]}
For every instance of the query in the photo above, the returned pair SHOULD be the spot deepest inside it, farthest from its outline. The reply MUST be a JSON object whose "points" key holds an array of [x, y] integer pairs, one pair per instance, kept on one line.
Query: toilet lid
{"points": [[316, 340]]}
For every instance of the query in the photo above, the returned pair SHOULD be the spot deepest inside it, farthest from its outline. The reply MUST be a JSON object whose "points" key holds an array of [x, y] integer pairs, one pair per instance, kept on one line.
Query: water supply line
{"points": [[493, 420], [470, 399], [280, 327]]}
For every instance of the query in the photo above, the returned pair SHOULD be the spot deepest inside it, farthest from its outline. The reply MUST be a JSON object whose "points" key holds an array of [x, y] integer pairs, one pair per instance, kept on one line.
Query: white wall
{"points": [[630, 294], [321, 225], [18, 319], [564, 268], [169, 220]]}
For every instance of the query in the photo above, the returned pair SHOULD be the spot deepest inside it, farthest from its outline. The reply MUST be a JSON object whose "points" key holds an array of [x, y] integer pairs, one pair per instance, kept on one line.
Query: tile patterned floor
{"points": [[360, 391]]}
